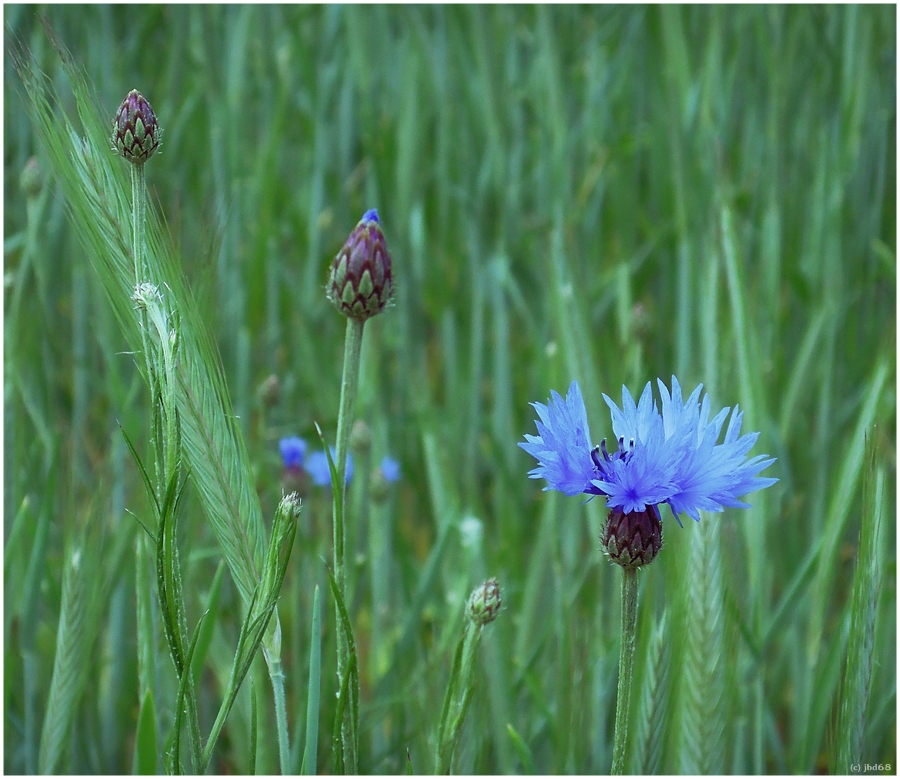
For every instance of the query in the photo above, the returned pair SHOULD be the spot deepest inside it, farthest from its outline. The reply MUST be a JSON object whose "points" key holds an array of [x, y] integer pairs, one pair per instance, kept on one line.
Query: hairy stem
{"points": [[626, 668], [349, 384]]}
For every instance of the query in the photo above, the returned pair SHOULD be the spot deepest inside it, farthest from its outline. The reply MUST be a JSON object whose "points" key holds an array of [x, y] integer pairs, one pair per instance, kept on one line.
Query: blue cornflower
{"points": [[670, 457], [293, 450], [390, 469], [317, 468]]}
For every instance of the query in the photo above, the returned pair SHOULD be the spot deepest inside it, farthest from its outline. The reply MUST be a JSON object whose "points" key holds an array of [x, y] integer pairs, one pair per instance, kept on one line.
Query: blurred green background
{"points": [[607, 194]]}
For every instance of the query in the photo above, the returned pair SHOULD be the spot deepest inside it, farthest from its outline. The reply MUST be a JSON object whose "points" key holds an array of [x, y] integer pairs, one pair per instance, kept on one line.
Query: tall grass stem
{"points": [[284, 750]]}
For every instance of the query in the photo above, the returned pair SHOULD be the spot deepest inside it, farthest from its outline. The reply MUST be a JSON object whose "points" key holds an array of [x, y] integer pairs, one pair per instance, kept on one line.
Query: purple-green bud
{"points": [[136, 133], [484, 603], [633, 539], [360, 284]]}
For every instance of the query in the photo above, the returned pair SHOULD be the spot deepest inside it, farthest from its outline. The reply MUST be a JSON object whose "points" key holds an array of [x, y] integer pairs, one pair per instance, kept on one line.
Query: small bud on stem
{"points": [[136, 133], [360, 284]]}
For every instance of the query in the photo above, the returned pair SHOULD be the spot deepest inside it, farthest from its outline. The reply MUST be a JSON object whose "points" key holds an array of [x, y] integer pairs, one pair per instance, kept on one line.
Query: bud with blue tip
{"points": [[360, 284]]}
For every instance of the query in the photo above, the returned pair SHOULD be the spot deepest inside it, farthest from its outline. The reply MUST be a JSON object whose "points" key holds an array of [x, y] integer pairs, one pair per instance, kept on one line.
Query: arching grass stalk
{"points": [[209, 438], [626, 668], [360, 286]]}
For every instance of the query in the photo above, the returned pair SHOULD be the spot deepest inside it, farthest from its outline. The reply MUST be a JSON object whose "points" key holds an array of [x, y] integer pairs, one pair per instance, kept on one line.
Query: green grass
{"points": [[592, 193]]}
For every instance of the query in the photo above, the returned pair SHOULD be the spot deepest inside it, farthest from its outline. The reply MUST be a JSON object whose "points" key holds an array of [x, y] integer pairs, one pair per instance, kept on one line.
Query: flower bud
{"points": [[269, 391], [633, 539], [136, 133], [484, 603], [360, 284], [31, 178], [381, 479], [360, 438]]}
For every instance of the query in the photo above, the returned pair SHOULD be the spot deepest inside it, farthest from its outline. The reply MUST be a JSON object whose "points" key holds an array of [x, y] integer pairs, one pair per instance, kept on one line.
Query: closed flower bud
{"points": [[269, 391], [360, 284], [136, 133], [31, 179], [632, 539], [360, 438], [484, 603]]}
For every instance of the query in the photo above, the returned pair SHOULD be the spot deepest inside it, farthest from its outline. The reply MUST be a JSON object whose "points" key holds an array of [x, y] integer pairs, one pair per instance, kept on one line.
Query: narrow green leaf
{"points": [[206, 630], [352, 667], [310, 750], [254, 728], [337, 494], [148, 484], [185, 694], [146, 751], [522, 749]]}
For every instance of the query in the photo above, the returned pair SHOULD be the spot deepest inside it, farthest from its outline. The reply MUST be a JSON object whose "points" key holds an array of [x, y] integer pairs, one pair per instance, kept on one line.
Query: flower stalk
{"points": [[349, 385], [670, 456], [482, 608], [360, 286], [136, 137], [626, 668]]}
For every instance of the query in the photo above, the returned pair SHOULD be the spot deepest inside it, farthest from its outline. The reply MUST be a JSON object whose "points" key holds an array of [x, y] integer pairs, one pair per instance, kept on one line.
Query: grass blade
{"points": [[146, 751], [310, 749]]}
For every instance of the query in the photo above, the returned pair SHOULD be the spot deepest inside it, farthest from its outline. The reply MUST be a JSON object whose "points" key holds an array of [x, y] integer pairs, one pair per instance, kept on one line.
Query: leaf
{"points": [[145, 746]]}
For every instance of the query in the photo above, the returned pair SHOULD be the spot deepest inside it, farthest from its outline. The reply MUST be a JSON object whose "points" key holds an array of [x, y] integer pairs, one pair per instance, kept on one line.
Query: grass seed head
{"points": [[136, 133]]}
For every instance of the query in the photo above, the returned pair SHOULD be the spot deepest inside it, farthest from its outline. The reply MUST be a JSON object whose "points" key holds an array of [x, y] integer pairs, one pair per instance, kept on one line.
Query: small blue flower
{"points": [[670, 457], [293, 449], [371, 216], [390, 469], [317, 468]]}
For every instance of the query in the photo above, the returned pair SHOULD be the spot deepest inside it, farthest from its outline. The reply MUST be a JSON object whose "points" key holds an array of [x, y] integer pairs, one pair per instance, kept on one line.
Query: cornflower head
{"points": [[390, 469], [317, 468], [293, 450], [293, 453], [671, 457]]}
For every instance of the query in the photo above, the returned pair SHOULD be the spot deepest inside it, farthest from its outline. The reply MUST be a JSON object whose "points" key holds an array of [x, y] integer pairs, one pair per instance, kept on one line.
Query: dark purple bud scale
{"points": [[633, 539], [136, 133], [360, 284]]}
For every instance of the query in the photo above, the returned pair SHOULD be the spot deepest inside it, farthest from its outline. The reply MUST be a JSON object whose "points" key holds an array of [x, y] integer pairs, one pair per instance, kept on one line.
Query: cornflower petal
{"points": [[563, 444], [317, 468], [292, 450]]}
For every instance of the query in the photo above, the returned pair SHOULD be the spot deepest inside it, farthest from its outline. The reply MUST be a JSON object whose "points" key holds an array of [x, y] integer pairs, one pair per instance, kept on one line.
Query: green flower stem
{"points": [[349, 385], [138, 216], [460, 687], [160, 362], [138, 211], [626, 668]]}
